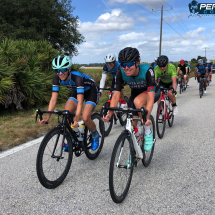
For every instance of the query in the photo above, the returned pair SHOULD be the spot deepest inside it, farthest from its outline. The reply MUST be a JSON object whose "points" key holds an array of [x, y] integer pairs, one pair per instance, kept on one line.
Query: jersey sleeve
{"points": [[119, 81], [156, 72], [56, 84], [174, 73], [105, 69], [150, 79], [79, 82]]}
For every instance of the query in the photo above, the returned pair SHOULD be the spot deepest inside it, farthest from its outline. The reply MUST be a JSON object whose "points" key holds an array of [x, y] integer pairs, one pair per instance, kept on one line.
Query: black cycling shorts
{"points": [[91, 96], [165, 85], [135, 94]]}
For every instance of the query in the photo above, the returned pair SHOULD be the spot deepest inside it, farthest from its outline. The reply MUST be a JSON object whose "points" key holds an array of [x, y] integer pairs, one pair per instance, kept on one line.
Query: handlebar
{"points": [[58, 112], [167, 89], [143, 111]]}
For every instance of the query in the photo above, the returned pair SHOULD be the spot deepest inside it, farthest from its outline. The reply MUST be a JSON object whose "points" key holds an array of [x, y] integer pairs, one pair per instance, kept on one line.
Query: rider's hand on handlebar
{"points": [[75, 124], [100, 94], [43, 121], [147, 123], [106, 118]]}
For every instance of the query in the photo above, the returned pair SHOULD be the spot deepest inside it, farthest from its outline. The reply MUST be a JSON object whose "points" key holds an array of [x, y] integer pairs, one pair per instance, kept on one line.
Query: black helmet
{"points": [[171, 62], [128, 54], [162, 61]]}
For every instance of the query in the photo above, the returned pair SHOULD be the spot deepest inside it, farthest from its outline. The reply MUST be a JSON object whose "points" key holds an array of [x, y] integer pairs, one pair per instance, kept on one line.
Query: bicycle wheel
{"points": [[201, 88], [160, 120], [107, 125], [147, 156], [121, 168], [51, 168], [181, 86], [93, 154], [170, 112], [122, 118]]}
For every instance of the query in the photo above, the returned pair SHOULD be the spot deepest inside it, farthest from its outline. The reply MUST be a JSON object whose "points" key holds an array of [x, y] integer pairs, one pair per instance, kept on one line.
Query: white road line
{"points": [[25, 145], [21, 147]]}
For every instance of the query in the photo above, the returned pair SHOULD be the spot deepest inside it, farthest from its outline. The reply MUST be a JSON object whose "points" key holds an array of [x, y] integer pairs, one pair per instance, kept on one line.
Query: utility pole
{"points": [[161, 27], [205, 51]]}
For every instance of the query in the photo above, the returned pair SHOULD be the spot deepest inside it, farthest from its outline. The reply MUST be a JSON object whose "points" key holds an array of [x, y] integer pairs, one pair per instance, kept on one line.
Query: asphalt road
{"points": [[179, 180]]}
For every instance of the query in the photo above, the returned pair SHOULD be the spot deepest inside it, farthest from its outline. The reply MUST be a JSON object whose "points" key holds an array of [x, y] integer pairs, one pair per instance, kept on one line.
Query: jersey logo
{"points": [[151, 71], [151, 89]]}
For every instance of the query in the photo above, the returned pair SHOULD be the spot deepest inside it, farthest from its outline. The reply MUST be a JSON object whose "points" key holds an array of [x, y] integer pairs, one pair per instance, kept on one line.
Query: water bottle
{"points": [[138, 136], [77, 132], [82, 130]]}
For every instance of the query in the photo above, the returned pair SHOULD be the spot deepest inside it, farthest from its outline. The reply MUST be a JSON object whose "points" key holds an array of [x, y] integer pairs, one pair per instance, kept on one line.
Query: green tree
{"points": [[203, 58], [50, 20]]}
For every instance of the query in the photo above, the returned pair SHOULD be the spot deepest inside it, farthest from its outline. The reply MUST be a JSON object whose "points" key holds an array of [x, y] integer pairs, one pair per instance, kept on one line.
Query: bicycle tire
{"points": [[45, 152], [181, 86], [122, 118], [201, 88], [147, 156], [88, 137], [121, 143], [171, 116], [107, 125], [159, 121]]}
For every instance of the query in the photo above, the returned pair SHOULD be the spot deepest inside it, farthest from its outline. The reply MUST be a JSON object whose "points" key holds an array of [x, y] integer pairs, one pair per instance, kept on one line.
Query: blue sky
{"points": [[111, 25]]}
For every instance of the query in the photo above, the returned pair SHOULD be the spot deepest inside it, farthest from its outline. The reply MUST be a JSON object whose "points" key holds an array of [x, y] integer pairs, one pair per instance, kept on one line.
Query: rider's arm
{"points": [[102, 82], [174, 77], [80, 98], [150, 91], [52, 104], [178, 70]]}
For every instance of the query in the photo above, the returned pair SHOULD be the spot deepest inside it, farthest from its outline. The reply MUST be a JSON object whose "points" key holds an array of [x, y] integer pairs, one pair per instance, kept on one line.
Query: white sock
{"points": [[147, 129]]}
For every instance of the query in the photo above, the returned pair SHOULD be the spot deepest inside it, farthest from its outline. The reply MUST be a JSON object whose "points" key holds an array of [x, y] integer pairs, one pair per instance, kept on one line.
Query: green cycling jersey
{"points": [[165, 77]]}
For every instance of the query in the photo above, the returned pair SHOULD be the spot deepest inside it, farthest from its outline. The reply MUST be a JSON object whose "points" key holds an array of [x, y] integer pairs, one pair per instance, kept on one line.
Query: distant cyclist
{"points": [[210, 69], [183, 70], [111, 66], [167, 73], [201, 71], [188, 71], [154, 64], [83, 87]]}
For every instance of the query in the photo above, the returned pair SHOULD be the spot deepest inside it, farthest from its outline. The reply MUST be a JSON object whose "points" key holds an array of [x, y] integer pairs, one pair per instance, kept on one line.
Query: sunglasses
{"points": [[129, 64], [110, 64], [61, 70]]}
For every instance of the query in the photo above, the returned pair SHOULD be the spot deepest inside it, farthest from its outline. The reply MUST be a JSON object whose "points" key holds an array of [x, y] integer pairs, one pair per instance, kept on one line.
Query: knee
{"points": [[138, 103], [86, 119]]}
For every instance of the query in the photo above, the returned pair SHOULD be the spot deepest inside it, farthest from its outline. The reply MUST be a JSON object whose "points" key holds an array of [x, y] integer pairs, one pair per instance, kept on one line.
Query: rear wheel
{"points": [[147, 155], [93, 154], [107, 125], [160, 120], [121, 168]]}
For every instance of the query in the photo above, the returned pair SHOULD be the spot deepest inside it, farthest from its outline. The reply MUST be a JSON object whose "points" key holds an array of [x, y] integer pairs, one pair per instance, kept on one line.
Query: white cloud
{"points": [[131, 37], [114, 21], [175, 18]]}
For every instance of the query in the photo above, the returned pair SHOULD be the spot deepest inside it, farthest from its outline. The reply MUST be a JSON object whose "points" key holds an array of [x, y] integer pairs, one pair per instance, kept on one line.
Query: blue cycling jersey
{"points": [[209, 66], [201, 68], [113, 71], [78, 81], [189, 66]]}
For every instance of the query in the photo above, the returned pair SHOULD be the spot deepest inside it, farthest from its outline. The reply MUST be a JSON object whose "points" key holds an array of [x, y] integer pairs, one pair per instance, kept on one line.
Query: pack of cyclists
{"points": [[144, 81]]}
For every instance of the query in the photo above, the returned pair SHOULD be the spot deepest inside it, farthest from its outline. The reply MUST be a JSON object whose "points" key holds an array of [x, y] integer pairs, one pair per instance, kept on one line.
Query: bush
{"points": [[26, 74]]}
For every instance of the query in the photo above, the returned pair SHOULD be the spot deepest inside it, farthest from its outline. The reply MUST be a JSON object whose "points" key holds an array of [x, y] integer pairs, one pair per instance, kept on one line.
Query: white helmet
{"points": [[110, 58], [156, 59], [208, 61]]}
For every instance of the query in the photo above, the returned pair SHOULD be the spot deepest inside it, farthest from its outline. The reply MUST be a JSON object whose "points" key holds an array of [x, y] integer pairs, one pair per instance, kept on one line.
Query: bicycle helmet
{"points": [[156, 59], [208, 61], [171, 62], [61, 62], [181, 61], [128, 54], [110, 58], [162, 61], [200, 61], [186, 62]]}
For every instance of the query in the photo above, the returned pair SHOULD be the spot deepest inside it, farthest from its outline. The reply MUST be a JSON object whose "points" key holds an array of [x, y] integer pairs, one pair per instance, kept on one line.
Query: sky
{"points": [[111, 25]]}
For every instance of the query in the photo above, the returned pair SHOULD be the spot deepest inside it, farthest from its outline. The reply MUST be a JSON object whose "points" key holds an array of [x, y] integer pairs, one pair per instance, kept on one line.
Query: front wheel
{"points": [[160, 120], [121, 167], [52, 166], [147, 155], [93, 154], [170, 112], [107, 125]]}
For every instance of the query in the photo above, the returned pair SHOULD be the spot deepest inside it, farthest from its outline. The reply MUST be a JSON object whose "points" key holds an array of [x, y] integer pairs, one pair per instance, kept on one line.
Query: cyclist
{"points": [[201, 71], [140, 78], [210, 68], [177, 75], [112, 66], [154, 64], [83, 87], [167, 74], [183, 70], [188, 71]]}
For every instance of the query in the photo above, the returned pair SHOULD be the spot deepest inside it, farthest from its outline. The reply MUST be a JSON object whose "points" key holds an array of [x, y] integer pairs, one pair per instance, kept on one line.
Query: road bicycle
{"points": [[164, 112], [201, 87], [181, 83], [126, 153], [117, 115], [53, 163]]}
